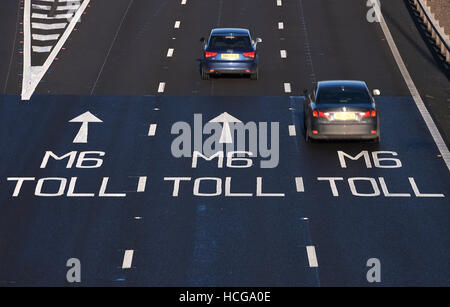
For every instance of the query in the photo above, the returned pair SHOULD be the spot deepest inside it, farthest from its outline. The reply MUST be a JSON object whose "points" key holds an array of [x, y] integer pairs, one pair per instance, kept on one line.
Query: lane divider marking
{"points": [[142, 183], [283, 54], [170, 52], [161, 87], [287, 87], [279, 3], [312, 258], [177, 24], [292, 131], [299, 184], [280, 25], [152, 130], [127, 259]]}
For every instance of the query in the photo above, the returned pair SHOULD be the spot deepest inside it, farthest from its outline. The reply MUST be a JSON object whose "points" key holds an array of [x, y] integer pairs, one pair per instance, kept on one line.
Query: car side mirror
{"points": [[376, 92]]}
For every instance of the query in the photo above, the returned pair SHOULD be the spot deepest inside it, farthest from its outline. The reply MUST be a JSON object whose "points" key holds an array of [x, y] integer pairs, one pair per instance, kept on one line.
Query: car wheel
{"points": [[254, 76], [307, 137], [205, 76]]}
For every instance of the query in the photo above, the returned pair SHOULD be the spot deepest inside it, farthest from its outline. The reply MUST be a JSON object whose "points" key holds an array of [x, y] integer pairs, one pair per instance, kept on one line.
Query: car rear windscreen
{"points": [[230, 42], [343, 95]]}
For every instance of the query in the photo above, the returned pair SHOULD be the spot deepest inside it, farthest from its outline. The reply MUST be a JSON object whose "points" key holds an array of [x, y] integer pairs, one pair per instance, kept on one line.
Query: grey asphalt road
{"points": [[203, 235]]}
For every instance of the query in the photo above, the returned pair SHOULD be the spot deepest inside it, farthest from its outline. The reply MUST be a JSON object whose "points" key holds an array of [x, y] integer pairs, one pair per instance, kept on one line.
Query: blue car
{"points": [[230, 51]]}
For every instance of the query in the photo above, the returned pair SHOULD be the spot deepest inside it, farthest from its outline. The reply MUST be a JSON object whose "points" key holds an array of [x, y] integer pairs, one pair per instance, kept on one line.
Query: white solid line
{"points": [[287, 88], [141, 184], [415, 93], [312, 258], [127, 259], [292, 131], [152, 130], [26, 76], [177, 24], [280, 26], [161, 87], [170, 52], [283, 54], [30, 81], [299, 184]]}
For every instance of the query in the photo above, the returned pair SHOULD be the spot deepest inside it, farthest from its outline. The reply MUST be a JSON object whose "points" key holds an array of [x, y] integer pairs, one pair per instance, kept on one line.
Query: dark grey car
{"points": [[230, 51], [341, 110]]}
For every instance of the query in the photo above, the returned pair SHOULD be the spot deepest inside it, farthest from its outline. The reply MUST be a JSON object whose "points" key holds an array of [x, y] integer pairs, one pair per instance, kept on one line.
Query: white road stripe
{"points": [[47, 37], [280, 25], [170, 52], [299, 184], [287, 88], [183, 2], [152, 130], [48, 26], [142, 183], [45, 16], [42, 48], [73, 7], [415, 93], [127, 259], [283, 54], [312, 258], [177, 24], [279, 3], [161, 87], [292, 131]]}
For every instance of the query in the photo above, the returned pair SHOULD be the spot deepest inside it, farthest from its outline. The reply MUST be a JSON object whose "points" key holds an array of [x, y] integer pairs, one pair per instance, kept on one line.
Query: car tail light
{"points": [[372, 113], [320, 114], [209, 54], [249, 54]]}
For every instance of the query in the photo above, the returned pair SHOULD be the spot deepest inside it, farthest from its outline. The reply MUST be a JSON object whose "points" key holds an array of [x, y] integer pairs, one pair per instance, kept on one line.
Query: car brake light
{"points": [[249, 54], [320, 114], [209, 54], [372, 113]]}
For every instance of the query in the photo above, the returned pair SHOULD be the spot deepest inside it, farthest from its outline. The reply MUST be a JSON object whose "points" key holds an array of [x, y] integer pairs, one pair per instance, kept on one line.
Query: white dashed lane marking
{"points": [[279, 3], [312, 258], [142, 183], [161, 87], [299, 184], [170, 52], [283, 54], [287, 88], [152, 130], [280, 25], [127, 259], [177, 24], [292, 131]]}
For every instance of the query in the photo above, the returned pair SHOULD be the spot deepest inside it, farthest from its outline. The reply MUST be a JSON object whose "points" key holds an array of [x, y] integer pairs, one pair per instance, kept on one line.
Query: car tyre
{"points": [[254, 76], [205, 76]]}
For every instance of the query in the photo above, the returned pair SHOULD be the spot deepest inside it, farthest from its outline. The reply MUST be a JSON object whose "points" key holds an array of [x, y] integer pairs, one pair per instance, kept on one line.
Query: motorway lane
{"points": [[199, 259]]}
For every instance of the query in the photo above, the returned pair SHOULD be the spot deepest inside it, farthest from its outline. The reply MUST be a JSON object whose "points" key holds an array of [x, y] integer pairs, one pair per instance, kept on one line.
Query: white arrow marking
{"points": [[85, 119], [226, 119]]}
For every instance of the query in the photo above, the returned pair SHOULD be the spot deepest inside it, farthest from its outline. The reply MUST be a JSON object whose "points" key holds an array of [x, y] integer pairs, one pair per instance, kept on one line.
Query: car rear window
{"points": [[229, 41], [343, 95]]}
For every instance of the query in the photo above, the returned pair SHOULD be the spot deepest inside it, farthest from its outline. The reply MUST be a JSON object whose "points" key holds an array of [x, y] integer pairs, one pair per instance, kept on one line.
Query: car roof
{"points": [[348, 83], [228, 31]]}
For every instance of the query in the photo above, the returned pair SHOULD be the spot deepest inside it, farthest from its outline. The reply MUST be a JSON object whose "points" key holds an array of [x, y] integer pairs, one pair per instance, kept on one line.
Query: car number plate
{"points": [[345, 116], [230, 56]]}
